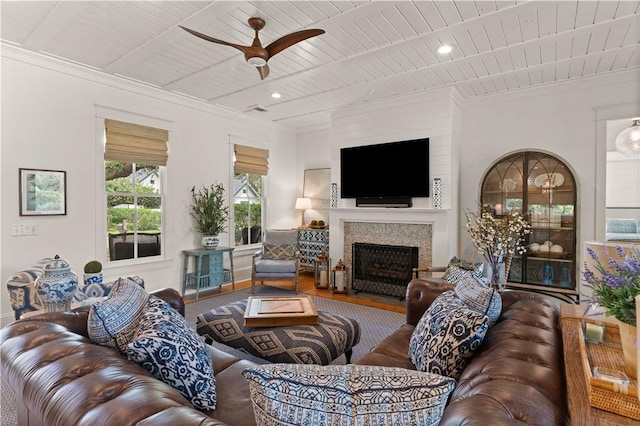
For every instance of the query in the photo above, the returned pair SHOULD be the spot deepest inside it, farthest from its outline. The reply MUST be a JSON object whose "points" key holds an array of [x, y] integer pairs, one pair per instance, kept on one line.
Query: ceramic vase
{"points": [[210, 242], [629, 349], [56, 286]]}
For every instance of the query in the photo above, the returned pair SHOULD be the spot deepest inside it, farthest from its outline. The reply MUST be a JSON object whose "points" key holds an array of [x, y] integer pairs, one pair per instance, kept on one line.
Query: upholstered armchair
{"points": [[278, 260]]}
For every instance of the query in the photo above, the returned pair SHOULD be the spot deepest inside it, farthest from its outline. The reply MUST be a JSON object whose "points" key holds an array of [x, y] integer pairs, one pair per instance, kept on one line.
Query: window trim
{"points": [[101, 238]]}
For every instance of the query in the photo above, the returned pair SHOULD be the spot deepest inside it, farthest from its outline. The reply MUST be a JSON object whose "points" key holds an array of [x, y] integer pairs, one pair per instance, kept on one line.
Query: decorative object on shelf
{"points": [[339, 282], [334, 195], [56, 286], [317, 224], [322, 268], [547, 181], [92, 272], [615, 286], [628, 141], [565, 275], [303, 204], [496, 239], [547, 273], [210, 213], [437, 193]]}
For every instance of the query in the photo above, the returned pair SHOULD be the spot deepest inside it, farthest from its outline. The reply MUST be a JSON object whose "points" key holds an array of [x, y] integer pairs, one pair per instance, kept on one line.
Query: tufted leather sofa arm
{"points": [[61, 378]]}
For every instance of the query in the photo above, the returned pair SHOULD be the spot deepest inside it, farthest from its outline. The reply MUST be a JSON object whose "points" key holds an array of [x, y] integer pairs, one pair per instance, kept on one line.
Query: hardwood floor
{"points": [[307, 286]]}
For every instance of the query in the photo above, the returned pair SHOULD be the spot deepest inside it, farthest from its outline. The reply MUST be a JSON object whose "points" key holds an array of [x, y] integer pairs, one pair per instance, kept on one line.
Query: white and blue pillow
{"points": [[113, 322], [169, 348], [458, 268], [480, 298], [308, 394], [446, 336]]}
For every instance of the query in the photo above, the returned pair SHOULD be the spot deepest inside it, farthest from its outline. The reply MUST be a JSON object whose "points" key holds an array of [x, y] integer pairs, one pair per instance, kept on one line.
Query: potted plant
{"points": [[209, 212], [615, 285], [92, 272]]}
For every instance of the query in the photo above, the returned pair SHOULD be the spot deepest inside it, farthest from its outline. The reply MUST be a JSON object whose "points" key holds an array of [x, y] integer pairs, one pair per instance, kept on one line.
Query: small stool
{"points": [[298, 344]]}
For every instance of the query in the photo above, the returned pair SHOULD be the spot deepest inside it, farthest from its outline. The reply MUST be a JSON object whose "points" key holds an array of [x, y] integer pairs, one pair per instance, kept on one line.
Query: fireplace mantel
{"points": [[443, 240]]}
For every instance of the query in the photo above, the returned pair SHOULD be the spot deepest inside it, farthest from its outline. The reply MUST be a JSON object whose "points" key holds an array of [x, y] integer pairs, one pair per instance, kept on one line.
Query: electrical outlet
{"points": [[20, 230]]}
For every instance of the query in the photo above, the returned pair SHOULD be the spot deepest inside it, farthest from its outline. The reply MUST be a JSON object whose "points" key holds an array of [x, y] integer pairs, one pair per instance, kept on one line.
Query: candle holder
{"points": [[339, 283], [321, 270], [593, 328]]}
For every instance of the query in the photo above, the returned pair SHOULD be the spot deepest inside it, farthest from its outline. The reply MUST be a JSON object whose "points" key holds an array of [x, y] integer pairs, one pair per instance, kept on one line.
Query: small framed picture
{"points": [[43, 192]]}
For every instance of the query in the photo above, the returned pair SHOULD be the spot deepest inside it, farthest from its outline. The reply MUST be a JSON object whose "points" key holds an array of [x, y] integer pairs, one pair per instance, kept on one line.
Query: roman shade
{"points": [[133, 143], [251, 160]]}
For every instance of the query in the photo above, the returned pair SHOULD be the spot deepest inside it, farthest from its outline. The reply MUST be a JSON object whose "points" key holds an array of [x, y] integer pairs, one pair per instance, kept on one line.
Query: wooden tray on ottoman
{"points": [[605, 395], [279, 311]]}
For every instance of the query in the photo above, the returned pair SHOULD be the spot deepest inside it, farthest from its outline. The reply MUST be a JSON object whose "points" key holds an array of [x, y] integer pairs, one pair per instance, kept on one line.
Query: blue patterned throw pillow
{"points": [[169, 348], [480, 298], [446, 336], [307, 394], [459, 268], [113, 322]]}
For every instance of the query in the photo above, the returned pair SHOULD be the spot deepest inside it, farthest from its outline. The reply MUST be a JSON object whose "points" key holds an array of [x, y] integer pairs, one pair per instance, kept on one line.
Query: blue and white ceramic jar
{"points": [[56, 286]]}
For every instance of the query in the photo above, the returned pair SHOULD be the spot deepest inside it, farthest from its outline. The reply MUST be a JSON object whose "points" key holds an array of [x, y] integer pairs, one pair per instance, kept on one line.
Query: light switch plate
{"points": [[28, 229]]}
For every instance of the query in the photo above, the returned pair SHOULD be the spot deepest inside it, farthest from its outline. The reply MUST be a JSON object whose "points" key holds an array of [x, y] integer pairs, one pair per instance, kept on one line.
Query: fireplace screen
{"points": [[383, 269]]}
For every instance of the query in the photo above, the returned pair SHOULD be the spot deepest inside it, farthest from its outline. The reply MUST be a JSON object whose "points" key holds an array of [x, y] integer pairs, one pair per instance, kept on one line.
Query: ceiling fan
{"points": [[257, 55]]}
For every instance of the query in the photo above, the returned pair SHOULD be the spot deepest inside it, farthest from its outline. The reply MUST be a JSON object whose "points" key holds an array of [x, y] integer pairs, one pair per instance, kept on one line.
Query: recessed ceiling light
{"points": [[276, 95], [444, 49]]}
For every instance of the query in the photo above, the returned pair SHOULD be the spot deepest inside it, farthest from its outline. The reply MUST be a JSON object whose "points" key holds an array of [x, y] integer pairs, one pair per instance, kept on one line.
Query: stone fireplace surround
{"points": [[427, 229]]}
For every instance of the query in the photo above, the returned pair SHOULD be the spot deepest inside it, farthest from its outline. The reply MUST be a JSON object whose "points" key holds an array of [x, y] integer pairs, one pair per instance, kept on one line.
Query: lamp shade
{"points": [[303, 203], [628, 141]]}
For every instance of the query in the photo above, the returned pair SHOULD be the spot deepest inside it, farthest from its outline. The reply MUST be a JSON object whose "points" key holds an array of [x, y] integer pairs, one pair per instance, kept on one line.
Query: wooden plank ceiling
{"points": [[370, 51]]}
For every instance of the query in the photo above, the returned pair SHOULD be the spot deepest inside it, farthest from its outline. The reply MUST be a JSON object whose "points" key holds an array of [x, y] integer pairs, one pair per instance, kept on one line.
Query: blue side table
{"points": [[208, 270]]}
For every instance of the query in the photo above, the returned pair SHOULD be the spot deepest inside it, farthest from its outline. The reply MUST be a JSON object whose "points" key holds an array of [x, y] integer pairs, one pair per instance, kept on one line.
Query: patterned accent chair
{"points": [[23, 296], [22, 293], [278, 260]]}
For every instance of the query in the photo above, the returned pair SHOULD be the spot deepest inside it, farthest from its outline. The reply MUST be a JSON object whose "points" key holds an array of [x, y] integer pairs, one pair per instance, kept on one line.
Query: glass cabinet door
{"points": [[543, 187]]}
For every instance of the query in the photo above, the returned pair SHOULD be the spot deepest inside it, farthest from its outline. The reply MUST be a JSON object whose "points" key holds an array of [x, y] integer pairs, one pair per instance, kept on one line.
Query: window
{"points": [[247, 208], [135, 157], [250, 167]]}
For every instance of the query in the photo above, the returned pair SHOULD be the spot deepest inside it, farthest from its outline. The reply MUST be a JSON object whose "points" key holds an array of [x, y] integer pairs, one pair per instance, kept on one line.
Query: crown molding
{"points": [[51, 63]]}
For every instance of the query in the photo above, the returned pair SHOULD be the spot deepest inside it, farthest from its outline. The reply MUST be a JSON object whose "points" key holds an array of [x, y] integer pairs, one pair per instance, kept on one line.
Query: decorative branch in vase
{"points": [[498, 239]]}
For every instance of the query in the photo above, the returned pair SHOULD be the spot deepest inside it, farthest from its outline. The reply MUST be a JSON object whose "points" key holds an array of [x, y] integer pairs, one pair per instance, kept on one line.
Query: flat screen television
{"points": [[386, 170]]}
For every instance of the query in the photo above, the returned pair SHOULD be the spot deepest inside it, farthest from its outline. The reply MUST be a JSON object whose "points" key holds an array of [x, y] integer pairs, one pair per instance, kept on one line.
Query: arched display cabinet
{"points": [[544, 188]]}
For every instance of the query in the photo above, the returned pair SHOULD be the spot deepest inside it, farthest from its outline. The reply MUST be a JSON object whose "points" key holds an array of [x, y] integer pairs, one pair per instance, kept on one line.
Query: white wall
{"points": [[49, 122], [409, 117], [560, 119]]}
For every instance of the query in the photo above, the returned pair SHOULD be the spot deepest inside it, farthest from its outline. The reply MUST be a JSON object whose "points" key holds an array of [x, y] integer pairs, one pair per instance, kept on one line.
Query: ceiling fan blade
{"points": [[240, 47], [290, 39], [264, 71]]}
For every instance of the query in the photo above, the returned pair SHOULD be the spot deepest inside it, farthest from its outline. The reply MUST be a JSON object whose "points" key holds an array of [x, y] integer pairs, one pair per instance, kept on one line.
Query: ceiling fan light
{"points": [[628, 141], [257, 61]]}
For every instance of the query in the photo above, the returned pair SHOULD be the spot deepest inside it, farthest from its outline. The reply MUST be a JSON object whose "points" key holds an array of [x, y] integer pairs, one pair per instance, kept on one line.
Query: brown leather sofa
{"points": [[517, 375], [60, 377]]}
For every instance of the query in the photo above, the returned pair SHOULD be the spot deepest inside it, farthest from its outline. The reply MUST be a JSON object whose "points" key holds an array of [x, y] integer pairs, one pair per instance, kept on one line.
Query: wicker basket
{"points": [[605, 395]]}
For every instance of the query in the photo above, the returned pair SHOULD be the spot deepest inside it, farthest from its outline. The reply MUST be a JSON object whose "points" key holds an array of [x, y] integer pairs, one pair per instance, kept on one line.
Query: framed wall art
{"points": [[317, 186], [43, 192]]}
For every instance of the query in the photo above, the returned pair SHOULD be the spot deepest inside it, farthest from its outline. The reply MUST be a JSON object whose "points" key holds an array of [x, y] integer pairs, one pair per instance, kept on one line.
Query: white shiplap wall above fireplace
{"points": [[411, 117]]}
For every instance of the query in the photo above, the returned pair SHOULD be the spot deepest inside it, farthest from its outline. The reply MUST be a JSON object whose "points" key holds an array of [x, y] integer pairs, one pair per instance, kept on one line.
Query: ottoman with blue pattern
{"points": [[320, 344]]}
